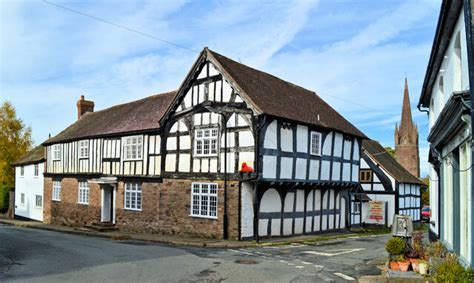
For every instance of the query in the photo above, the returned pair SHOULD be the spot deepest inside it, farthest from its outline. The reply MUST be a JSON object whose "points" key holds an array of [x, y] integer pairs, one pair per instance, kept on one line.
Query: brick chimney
{"points": [[84, 106]]}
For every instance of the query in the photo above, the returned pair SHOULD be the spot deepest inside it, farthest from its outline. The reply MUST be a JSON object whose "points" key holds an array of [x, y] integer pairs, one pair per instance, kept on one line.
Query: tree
{"points": [[425, 193], [390, 151], [15, 141]]}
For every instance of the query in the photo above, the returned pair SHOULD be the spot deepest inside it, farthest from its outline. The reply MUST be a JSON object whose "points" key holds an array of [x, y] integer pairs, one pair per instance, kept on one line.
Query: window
{"points": [[206, 142], [365, 176], [133, 196], [204, 200], [56, 152], [36, 170], [22, 171], [84, 149], [57, 190], [22, 199], [133, 147], [315, 143], [38, 201], [357, 207], [83, 193]]}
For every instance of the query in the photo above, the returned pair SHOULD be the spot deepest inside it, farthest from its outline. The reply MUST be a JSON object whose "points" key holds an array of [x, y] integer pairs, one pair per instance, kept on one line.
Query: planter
{"points": [[415, 264], [404, 265], [394, 265], [423, 267]]}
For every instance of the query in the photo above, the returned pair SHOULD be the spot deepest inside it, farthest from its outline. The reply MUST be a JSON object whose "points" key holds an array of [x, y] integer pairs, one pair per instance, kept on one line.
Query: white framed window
{"points": [[204, 200], [133, 147], [38, 201], [22, 171], [133, 196], [22, 199], [83, 149], [205, 142], [56, 152], [57, 190], [36, 170], [83, 193], [357, 207], [315, 143]]}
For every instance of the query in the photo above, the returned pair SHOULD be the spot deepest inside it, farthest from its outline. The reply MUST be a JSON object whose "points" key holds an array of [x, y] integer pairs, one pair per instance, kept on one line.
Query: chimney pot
{"points": [[84, 106]]}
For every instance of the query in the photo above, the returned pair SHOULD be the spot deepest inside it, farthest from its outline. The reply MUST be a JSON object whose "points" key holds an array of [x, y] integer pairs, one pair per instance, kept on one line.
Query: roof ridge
{"points": [[132, 101], [260, 71]]}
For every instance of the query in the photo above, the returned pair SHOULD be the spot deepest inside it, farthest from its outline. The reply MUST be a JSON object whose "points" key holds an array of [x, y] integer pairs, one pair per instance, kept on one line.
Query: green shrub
{"points": [[4, 198], [395, 246], [450, 270]]}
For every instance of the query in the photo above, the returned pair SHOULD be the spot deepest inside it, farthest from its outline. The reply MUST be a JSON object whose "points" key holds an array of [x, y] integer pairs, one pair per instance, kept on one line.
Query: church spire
{"points": [[406, 122], [406, 138]]}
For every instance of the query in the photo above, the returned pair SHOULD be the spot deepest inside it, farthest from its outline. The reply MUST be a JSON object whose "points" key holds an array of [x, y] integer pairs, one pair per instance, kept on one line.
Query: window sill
{"points": [[205, 217], [83, 203], [205, 156], [314, 154], [132, 209], [58, 200], [135, 159]]}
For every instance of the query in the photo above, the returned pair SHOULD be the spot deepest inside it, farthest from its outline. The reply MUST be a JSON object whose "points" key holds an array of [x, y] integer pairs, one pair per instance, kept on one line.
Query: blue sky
{"points": [[354, 54]]}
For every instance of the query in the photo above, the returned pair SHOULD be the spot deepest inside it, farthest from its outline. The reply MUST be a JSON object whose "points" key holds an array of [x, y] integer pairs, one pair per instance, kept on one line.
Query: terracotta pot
{"points": [[404, 265], [415, 264], [412, 260], [394, 265], [423, 267]]}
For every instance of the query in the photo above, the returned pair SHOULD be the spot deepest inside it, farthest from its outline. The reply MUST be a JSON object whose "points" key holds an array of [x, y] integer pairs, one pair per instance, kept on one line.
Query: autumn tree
{"points": [[15, 141], [390, 151]]}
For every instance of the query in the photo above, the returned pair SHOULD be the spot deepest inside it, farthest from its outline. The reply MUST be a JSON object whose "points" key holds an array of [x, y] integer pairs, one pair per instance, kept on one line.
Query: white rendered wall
{"points": [[247, 210], [31, 186], [448, 72]]}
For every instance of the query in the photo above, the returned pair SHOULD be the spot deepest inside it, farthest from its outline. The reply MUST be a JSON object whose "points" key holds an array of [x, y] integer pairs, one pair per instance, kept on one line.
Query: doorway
{"points": [[108, 204]]}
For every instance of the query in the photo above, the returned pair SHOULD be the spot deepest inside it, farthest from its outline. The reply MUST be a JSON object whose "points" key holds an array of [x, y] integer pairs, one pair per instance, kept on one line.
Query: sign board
{"points": [[402, 226], [377, 211]]}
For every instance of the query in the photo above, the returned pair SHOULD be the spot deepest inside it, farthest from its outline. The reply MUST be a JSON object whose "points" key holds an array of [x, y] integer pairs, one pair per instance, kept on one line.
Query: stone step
{"points": [[102, 227]]}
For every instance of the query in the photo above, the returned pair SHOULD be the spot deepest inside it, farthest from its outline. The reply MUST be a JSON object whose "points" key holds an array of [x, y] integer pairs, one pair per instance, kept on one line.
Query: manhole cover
{"points": [[245, 261]]}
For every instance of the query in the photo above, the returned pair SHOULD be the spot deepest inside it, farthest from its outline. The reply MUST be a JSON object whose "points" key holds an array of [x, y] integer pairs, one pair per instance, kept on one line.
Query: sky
{"points": [[354, 54]]}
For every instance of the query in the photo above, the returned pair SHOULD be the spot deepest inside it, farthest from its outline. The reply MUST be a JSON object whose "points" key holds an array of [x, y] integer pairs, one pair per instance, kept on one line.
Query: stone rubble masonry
{"points": [[165, 208]]}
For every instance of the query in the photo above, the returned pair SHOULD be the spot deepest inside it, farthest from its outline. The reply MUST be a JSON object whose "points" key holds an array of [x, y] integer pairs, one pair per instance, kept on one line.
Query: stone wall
{"points": [[165, 208], [67, 211]]}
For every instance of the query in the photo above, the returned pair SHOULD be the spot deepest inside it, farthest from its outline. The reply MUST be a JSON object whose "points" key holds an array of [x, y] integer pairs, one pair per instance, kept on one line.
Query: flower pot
{"points": [[404, 265], [394, 265], [423, 267], [415, 264]]}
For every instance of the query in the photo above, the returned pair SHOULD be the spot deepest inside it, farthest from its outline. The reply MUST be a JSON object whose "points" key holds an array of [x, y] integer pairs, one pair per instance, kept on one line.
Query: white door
{"points": [[107, 204]]}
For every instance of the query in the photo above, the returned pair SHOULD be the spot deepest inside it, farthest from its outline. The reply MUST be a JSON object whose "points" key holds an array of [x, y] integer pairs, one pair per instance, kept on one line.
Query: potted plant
{"points": [[404, 264], [395, 247], [423, 267]]}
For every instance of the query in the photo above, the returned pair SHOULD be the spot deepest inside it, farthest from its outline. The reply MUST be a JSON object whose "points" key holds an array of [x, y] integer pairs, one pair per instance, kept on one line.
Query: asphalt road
{"points": [[30, 255]]}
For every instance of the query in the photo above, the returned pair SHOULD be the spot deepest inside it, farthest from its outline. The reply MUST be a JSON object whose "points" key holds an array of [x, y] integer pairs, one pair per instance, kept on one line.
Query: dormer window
{"points": [[205, 142]]}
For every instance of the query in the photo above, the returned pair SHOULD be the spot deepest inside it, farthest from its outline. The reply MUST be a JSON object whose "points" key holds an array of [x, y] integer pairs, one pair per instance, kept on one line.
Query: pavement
{"points": [[177, 240], [36, 255]]}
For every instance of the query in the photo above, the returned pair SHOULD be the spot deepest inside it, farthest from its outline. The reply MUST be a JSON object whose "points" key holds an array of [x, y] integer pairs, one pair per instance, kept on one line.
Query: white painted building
{"points": [[446, 96], [29, 184], [383, 179]]}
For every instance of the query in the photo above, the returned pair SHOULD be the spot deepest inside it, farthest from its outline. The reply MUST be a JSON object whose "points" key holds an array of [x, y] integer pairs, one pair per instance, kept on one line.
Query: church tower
{"points": [[406, 138]]}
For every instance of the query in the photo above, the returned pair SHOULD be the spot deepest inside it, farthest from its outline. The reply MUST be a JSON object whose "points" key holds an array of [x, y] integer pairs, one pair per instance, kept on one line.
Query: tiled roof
{"points": [[283, 99], [36, 155], [387, 162], [136, 116]]}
